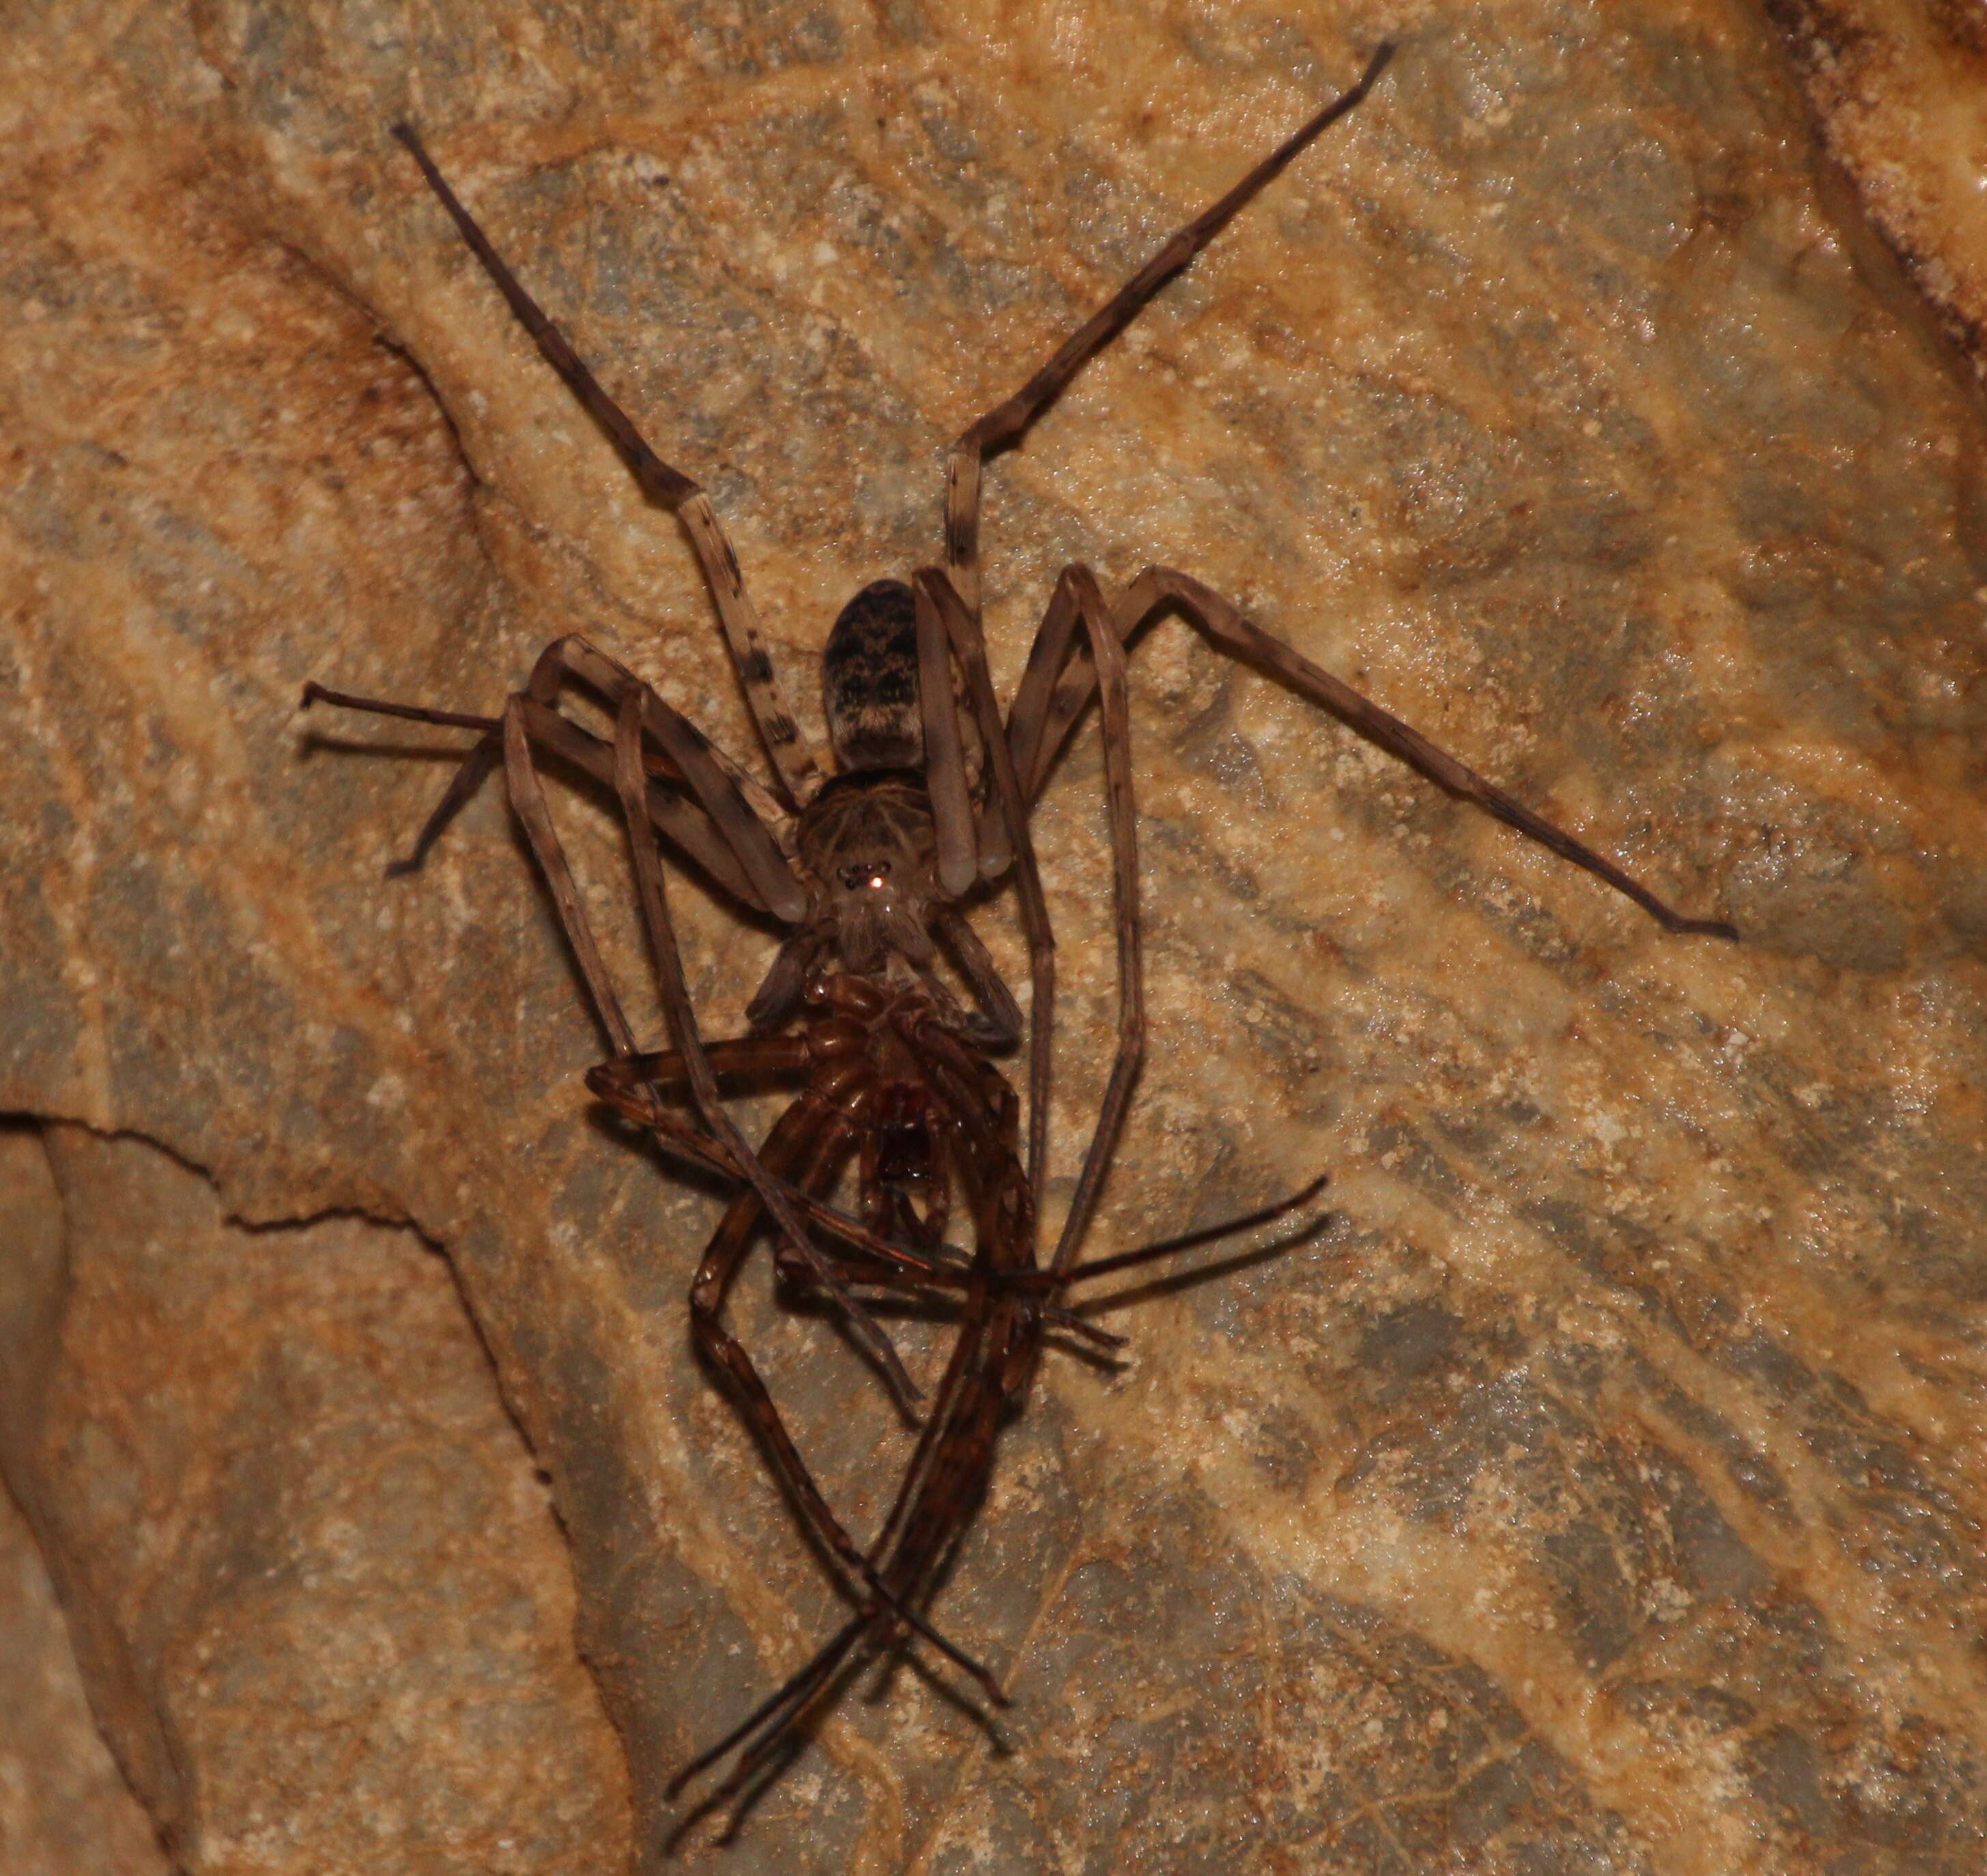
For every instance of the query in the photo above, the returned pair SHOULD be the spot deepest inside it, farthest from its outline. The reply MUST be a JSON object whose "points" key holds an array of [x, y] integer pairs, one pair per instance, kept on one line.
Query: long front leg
{"points": [[666, 486], [1051, 698], [1006, 423]]}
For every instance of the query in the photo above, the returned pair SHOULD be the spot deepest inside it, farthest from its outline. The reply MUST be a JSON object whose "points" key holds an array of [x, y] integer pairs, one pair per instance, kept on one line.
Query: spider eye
{"points": [[871, 874]]}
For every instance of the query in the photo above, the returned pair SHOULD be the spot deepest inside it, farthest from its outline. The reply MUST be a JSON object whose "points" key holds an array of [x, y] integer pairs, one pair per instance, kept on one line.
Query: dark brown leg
{"points": [[620, 1083], [628, 1085], [1193, 1240], [963, 1370], [777, 1712], [947, 1473], [804, 1140], [969, 1387], [759, 1737], [665, 1072], [637, 707], [1007, 422]]}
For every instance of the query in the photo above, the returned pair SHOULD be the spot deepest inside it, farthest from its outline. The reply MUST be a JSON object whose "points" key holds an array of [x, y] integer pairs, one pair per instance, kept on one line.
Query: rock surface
{"points": [[323, 1608], [1602, 1492], [65, 1808], [1900, 86]]}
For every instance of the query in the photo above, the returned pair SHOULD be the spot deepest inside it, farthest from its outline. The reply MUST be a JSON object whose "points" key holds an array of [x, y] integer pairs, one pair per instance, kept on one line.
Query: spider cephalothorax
{"points": [[864, 846], [866, 843]]}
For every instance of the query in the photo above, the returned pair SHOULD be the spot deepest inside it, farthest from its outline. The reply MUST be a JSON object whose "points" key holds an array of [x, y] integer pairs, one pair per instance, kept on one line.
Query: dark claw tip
{"points": [[400, 869], [313, 691]]}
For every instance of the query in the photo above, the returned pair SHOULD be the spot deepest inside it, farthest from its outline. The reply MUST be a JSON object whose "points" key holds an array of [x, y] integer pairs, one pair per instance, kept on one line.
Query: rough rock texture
{"points": [[1602, 1492], [1900, 86], [323, 1608], [65, 1808]]}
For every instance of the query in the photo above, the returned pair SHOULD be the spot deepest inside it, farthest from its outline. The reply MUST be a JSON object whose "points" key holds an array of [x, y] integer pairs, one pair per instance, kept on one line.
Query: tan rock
{"points": [[1900, 87], [324, 1613], [1603, 1493], [65, 1808]]}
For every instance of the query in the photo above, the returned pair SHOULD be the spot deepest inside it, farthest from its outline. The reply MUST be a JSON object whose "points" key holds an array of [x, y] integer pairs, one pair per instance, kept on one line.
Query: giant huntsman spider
{"points": [[867, 868]]}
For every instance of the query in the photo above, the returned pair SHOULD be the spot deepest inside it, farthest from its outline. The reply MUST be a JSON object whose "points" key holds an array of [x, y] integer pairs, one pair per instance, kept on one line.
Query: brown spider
{"points": [[866, 865], [866, 869]]}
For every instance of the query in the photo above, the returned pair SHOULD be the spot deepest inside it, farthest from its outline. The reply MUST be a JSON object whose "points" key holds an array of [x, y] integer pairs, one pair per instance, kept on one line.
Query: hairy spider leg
{"points": [[683, 821], [793, 761], [1051, 698], [1007, 422]]}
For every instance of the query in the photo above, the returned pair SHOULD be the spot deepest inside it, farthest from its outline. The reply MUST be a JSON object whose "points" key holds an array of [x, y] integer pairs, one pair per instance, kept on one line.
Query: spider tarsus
{"points": [[1383, 53], [1682, 925], [1206, 1234]]}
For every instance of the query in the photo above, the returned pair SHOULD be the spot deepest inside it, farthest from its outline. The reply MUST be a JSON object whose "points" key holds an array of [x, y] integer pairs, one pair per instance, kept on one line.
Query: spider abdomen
{"points": [[869, 681]]}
